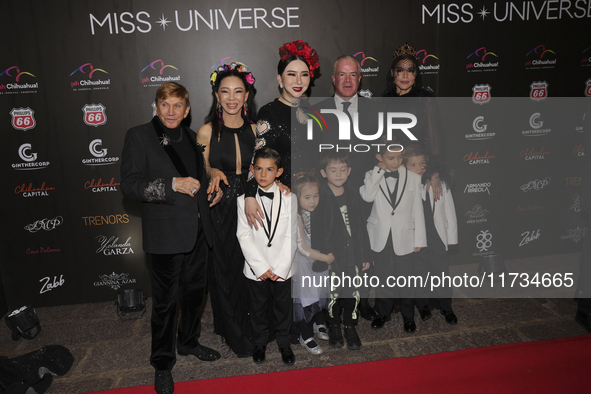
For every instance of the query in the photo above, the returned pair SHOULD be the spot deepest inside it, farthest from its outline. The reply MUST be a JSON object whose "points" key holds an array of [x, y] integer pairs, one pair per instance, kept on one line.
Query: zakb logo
{"points": [[538, 90], [94, 114], [23, 118], [481, 94]]}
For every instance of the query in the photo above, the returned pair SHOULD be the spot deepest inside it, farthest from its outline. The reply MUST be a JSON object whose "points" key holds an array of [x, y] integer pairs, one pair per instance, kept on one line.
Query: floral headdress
{"points": [[300, 48], [240, 67]]}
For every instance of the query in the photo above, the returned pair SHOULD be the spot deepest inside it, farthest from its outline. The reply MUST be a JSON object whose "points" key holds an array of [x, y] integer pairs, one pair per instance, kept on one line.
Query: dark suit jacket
{"points": [[170, 220]]}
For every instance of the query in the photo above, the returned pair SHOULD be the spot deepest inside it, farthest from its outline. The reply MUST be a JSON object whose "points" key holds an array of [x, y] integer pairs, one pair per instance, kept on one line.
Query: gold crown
{"points": [[405, 50]]}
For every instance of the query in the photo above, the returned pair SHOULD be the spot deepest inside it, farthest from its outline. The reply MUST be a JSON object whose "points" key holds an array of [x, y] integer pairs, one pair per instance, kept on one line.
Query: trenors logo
{"points": [[366, 69], [94, 114], [87, 71], [14, 74], [158, 67], [23, 118], [539, 56], [423, 55], [477, 61], [481, 94], [538, 90]]}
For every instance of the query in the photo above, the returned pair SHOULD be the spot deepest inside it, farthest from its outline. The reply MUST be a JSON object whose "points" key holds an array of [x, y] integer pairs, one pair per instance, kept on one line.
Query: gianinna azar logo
{"points": [[14, 80], [368, 64], [482, 60], [157, 72], [88, 77], [540, 57], [428, 62]]}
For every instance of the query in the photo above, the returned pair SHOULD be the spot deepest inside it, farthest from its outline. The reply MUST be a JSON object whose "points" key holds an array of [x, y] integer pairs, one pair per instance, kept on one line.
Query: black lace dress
{"points": [[227, 283]]}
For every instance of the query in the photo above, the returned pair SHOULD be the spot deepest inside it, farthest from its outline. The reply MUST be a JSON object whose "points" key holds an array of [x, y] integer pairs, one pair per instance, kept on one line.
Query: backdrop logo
{"points": [[477, 215], [114, 281], [159, 68], [94, 114], [366, 93], [110, 246], [533, 154], [538, 90], [14, 75], [23, 118], [227, 59], [540, 57], [32, 191], [482, 60], [89, 78], [585, 57], [529, 236], [575, 203], [573, 181], [476, 158], [44, 224], [579, 150], [483, 243], [424, 59], [100, 155], [98, 186], [483, 187], [481, 94], [49, 285], [536, 123], [107, 219], [588, 88], [575, 234], [29, 159], [529, 207], [480, 130], [368, 68], [537, 184], [42, 250]]}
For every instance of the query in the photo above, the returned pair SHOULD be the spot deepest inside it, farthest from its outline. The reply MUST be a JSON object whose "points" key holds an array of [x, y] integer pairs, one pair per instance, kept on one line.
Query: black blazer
{"points": [[170, 220]]}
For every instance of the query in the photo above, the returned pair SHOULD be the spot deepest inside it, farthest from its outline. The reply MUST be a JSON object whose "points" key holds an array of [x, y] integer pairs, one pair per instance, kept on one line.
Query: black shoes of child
{"points": [[335, 336], [353, 341], [287, 356], [366, 311], [409, 325], [163, 383], [203, 353], [425, 313], [450, 317], [379, 322], [258, 356]]}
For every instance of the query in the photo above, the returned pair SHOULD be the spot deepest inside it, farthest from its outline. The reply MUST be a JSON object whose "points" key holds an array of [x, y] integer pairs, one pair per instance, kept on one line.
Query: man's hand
{"points": [[189, 186]]}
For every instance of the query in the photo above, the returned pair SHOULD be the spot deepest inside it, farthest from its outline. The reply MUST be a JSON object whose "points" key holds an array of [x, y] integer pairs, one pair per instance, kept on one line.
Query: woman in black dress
{"points": [[229, 137]]}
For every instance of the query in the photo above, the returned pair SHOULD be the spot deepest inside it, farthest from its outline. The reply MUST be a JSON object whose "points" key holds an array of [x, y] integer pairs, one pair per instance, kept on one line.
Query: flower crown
{"points": [[240, 67], [300, 48], [405, 50]]}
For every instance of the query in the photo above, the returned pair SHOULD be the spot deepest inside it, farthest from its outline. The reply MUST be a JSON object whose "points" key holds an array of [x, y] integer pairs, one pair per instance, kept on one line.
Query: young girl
{"points": [[309, 301]]}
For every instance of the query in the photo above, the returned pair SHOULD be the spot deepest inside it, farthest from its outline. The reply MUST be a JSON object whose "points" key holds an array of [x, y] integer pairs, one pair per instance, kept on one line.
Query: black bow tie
{"points": [[263, 193], [391, 174]]}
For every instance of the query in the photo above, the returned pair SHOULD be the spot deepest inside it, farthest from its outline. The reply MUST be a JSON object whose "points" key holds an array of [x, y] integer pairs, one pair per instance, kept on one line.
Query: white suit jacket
{"points": [[258, 256], [408, 222], [444, 217]]}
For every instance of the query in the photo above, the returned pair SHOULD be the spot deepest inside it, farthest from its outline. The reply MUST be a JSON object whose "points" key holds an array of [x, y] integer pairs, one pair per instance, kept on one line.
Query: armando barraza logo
{"points": [[479, 128], [424, 58], [368, 68], [483, 187], [538, 90], [482, 60], [94, 114], [29, 158], [89, 78], [481, 94], [540, 57], [536, 124], [110, 246], [536, 184], [23, 118], [477, 215], [483, 243], [153, 73], [575, 234], [99, 154], [114, 281], [13, 81]]}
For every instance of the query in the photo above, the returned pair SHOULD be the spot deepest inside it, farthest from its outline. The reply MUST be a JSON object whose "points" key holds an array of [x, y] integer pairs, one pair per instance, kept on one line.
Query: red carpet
{"points": [[553, 366]]}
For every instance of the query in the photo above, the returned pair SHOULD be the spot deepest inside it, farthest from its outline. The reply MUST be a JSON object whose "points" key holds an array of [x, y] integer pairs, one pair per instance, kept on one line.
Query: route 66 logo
{"points": [[481, 94], [538, 90], [588, 88], [23, 119], [94, 114]]}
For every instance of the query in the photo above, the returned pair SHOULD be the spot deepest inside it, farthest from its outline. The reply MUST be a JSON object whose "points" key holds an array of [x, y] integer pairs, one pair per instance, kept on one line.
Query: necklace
{"points": [[290, 103], [166, 140]]}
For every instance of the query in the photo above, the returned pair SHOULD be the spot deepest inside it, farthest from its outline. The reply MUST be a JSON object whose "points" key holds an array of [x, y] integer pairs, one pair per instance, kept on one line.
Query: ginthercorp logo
{"points": [[534, 154], [536, 184], [369, 67], [540, 57], [482, 60], [88, 77], [538, 91], [29, 158], [157, 72], [14, 80], [23, 118], [114, 281], [476, 215], [110, 246], [481, 94], [94, 114], [483, 243], [480, 130], [428, 62], [536, 125], [477, 158], [100, 155]]}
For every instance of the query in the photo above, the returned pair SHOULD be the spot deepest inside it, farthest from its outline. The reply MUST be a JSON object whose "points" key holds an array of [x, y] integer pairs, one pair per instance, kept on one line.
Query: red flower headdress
{"points": [[240, 67], [302, 49]]}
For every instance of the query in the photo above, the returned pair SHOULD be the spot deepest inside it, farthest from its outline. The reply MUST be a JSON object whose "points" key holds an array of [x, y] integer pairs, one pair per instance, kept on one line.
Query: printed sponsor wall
{"points": [[75, 75]]}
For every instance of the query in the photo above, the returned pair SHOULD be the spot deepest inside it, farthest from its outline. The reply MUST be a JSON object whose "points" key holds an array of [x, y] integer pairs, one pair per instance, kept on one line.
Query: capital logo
{"points": [[540, 57], [44, 224], [114, 281], [579, 150], [94, 114], [158, 66], [477, 158], [484, 241], [88, 69], [529, 236], [537, 184], [538, 90], [481, 94], [100, 155], [533, 154], [16, 73], [94, 150], [98, 186], [23, 118], [422, 55], [588, 88], [32, 191], [478, 60]]}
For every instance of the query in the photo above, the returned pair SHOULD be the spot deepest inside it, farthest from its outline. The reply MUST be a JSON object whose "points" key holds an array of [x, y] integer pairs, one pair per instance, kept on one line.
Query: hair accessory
{"points": [[240, 67], [405, 50], [300, 48], [309, 171]]}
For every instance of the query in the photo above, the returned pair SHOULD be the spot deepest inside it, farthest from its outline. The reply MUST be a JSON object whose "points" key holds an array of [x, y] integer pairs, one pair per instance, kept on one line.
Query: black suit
{"points": [[176, 230]]}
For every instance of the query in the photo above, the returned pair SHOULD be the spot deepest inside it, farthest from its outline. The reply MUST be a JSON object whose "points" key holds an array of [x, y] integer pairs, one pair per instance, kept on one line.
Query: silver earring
{"points": [[280, 86]]}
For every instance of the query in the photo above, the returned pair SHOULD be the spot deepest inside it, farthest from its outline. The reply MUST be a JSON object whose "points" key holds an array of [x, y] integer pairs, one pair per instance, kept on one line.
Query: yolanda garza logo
{"points": [[540, 57], [44, 224], [533, 154], [87, 77], [575, 203], [579, 150], [108, 219], [98, 186], [483, 187], [153, 73], [42, 250], [100, 155], [476, 158], [481, 94], [114, 281], [14, 81], [537, 184], [32, 191], [575, 234], [536, 125], [480, 130], [368, 64], [588, 88], [529, 236], [29, 159], [477, 215], [110, 246], [482, 60], [94, 114], [23, 118], [538, 91], [483, 243], [49, 285], [428, 63]]}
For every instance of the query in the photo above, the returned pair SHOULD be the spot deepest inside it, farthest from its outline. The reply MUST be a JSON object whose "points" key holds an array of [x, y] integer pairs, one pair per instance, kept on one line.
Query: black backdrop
{"points": [[75, 75]]}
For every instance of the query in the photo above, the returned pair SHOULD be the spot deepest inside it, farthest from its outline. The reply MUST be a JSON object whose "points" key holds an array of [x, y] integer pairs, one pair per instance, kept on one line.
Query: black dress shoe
{"points": [[258, 356], [379, 322], [287, 355], [366, 311], [584, 319], [425, 313], [450, 317], [409, 325], [163, 383], [203, 353], [335, 336], [353, 341]]}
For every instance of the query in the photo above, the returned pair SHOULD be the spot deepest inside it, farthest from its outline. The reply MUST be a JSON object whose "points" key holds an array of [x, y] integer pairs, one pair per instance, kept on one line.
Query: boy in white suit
{"points": [[396, 228], [441, 224], [269, 252]]}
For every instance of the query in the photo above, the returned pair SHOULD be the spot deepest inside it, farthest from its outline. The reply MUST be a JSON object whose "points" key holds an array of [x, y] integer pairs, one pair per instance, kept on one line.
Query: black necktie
{"points": [[391, 174], [346, 105], [263, 193]]}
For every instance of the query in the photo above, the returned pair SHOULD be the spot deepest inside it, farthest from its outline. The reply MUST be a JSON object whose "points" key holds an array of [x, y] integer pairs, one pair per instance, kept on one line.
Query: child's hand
{"points": [[381, 165], [266, 275], [330, 258], [274, 277], [418, 249], [365, 266]]}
